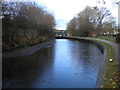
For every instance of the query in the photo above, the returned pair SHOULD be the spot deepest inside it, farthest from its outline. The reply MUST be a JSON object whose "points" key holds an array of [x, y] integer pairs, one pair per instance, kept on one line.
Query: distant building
{"points": [[113, 24], [94, 34], [60, 32]]}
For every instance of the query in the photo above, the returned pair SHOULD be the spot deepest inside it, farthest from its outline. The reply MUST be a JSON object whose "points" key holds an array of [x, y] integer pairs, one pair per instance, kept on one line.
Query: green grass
{"points": [[111, 79], [109, 38]]}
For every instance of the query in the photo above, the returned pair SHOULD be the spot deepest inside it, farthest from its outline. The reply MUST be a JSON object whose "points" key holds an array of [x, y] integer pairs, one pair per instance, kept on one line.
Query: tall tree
{"points": [[26, 22], [85, 22], [90, 21], [101, 15], [71, 27]]}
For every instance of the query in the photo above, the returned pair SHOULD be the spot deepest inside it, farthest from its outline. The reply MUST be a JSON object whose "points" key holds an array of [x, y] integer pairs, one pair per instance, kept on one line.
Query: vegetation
{"points": [[90, 22], [25, 23], [71, 27], [109, 38]]}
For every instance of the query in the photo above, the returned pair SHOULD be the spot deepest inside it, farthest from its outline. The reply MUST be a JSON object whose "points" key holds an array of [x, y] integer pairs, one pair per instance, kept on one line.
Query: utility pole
{"points": [[118, 16]]}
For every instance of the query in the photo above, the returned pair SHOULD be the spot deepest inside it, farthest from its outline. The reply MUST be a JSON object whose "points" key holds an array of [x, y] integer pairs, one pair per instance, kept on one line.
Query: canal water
{"points": [[67, 64]]}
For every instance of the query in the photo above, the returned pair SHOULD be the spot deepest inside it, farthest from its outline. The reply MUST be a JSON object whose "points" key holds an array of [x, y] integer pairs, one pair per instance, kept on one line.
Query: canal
{"points": [[66, 64]]}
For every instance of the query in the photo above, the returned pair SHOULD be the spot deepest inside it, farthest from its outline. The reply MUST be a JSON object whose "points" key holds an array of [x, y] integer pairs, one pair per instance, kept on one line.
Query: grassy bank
{"points": [[109, 38], [110, 79], [23, 43]]}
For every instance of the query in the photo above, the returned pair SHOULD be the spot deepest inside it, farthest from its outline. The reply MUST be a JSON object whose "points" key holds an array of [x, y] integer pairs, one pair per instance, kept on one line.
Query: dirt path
{"points": [[113, 44]]}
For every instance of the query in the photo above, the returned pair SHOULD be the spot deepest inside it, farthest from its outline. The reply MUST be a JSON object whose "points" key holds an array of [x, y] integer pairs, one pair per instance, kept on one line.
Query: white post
{"points": [[119, 15]]}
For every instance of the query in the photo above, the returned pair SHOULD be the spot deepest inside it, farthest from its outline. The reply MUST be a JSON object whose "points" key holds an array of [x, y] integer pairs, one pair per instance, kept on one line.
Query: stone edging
{"points": [[27, 50]]}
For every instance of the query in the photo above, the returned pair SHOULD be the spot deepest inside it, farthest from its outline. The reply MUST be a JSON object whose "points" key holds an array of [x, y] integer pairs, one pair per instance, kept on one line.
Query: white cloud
{"points": [[65, 10]]}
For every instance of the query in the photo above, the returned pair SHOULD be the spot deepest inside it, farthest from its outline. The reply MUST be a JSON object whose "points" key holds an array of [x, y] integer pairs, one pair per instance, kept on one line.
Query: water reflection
{"points": [[68, 64], [23, 71]]}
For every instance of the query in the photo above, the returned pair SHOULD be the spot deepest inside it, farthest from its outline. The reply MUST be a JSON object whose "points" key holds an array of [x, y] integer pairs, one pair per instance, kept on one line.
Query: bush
{"points": [[118, 38]]}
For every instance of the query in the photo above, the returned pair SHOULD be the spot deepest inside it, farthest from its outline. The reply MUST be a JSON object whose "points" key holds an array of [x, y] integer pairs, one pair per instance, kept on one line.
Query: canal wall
{"points": [[27, 50], [103, 61]]}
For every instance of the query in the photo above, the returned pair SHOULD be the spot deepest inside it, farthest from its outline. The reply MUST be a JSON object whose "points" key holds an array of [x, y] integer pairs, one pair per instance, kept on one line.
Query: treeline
{"points": [[25, 23], [89, 22]]}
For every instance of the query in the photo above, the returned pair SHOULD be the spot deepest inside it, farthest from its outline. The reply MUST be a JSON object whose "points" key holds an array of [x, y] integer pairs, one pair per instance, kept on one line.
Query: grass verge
{"points": [[112, 39], [111, 75]]}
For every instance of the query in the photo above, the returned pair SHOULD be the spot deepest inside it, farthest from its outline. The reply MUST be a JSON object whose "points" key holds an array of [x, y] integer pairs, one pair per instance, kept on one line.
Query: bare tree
{"points": [[89, 21], [101, 15], [85, 21], [71, 27], [26, 22]]}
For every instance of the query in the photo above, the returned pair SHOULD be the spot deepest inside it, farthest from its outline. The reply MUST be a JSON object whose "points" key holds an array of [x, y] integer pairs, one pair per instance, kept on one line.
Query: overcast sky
{"points": [[65, 10]]}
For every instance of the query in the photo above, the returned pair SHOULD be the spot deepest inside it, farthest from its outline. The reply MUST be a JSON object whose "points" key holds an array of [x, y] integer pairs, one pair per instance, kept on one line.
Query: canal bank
{"points": [[27, 50], [112, 72]]}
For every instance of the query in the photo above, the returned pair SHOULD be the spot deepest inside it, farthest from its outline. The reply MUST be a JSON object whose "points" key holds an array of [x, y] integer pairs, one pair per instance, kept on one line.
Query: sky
{"points": [[65, 10]]}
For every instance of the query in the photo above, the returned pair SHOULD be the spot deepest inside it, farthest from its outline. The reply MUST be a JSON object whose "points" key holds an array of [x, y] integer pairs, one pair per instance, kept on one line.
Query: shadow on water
{"points": [[23, 71], [68, 64]]}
